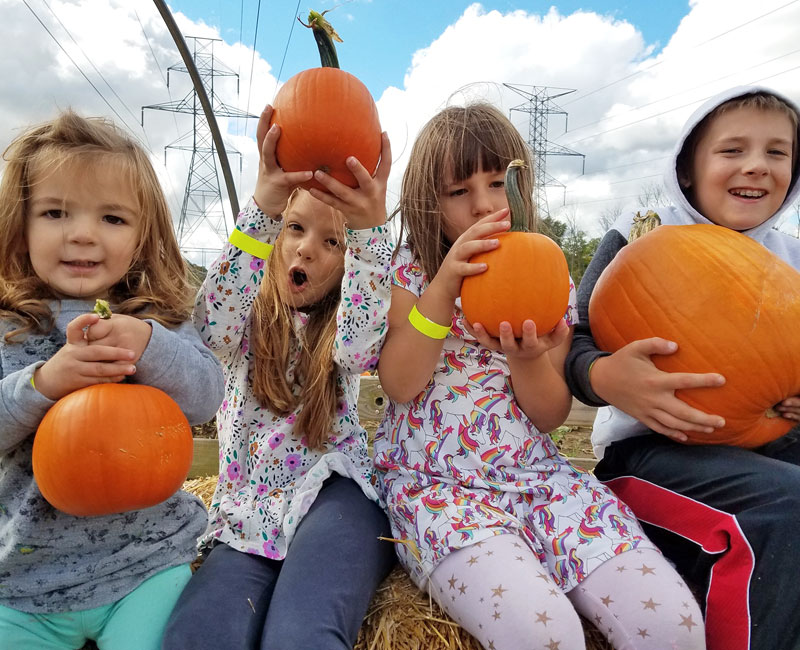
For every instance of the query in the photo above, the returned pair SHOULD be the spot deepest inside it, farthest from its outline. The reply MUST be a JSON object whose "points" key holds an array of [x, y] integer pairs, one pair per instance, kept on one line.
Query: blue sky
{"points": [[380, 35]]}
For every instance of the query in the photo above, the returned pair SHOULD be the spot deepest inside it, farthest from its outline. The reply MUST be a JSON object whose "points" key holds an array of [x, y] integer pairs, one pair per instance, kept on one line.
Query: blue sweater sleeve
{"points": [[178, 362]]}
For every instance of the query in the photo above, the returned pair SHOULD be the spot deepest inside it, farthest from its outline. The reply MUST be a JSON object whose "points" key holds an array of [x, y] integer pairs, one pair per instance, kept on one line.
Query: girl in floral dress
{"points": [[511, 539], [295, 307]]}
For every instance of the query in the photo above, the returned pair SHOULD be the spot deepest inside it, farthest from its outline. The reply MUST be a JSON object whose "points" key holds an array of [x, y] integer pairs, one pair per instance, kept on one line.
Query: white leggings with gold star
{"points": [[499, 592]]}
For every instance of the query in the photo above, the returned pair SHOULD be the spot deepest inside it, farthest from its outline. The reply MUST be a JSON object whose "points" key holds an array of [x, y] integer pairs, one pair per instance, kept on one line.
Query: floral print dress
{"points": [[461, 463], [269, 477]]}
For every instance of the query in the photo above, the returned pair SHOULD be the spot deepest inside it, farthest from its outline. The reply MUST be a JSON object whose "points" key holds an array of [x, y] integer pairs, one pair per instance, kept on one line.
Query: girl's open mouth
{"points": [[298, 278]]}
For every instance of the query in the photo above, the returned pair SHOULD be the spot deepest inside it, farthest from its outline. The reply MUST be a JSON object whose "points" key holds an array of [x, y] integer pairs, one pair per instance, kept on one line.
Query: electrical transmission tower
{"points": [[539, 105], [202, 219]]}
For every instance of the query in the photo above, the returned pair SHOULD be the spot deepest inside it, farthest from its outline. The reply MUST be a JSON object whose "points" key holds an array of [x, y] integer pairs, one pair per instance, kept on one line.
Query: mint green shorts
{"points": [[136, 622]]}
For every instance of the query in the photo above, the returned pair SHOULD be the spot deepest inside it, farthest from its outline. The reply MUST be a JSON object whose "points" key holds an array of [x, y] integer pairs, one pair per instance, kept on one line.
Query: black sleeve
{"points": [[584, 349]]}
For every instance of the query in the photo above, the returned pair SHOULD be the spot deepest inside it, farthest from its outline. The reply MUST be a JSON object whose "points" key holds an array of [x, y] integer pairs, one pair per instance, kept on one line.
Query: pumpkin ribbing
{"points": [[731, 306]]}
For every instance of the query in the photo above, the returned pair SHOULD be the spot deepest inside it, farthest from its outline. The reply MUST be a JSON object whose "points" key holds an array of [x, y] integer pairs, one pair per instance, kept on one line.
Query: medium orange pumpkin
{"points": [[326, 115], [527, 276], [732, 306], [111, 448]]}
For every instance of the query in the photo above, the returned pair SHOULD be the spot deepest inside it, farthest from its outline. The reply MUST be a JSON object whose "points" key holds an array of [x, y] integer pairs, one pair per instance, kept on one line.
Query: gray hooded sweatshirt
{"points": [[611, 424]]}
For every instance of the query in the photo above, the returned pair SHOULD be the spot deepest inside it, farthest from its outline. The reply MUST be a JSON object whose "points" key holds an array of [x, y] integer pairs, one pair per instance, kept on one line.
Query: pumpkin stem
{"points": [[102, 308], [324, 34], [514, 196], [643, 224]]}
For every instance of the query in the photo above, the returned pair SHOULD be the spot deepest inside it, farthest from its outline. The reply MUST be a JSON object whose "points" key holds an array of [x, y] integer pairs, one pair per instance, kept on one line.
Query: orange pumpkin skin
{"points": [[732, 307], [111, 448], [526, 278], [326, 115]]}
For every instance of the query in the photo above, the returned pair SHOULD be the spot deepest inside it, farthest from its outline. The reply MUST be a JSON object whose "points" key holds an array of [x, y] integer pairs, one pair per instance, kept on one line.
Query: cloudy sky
{"points": [[635, 71]]}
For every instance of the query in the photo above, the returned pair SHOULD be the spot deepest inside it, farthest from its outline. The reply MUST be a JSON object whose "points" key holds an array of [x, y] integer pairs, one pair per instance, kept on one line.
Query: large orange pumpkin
{"points": [[732, 307], [526, 277], [111, 448], [326, 115]]}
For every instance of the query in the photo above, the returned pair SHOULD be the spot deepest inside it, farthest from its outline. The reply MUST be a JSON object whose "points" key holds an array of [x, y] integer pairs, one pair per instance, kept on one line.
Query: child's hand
{"points": [[530, 346], [273, 185], [121, 331], [629, 380], [364, 206], [790, 408], [78, 364], [456, 266]]}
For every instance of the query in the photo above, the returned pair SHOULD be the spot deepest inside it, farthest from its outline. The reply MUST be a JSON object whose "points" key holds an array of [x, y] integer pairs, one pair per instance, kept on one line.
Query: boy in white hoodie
{"points": [[728, 517]]}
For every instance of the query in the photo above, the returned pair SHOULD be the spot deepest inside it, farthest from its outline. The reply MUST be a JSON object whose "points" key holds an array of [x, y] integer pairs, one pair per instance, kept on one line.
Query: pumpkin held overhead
{"points": [[326, 115]]}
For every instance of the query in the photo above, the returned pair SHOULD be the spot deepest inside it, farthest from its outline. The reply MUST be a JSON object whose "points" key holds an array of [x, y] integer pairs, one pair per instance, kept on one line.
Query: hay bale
{"points": [[400, 616]]}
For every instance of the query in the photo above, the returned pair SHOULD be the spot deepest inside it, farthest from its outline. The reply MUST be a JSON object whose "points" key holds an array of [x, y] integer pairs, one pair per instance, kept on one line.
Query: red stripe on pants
{"points": [[717, 532]]}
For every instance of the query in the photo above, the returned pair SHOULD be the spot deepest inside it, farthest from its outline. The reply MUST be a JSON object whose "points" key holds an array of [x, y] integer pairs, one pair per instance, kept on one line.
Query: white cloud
{"points": [[626, 111]]}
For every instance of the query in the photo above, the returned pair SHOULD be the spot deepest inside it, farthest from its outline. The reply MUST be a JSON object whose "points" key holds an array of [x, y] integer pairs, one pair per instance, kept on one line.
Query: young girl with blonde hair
{"points": [[83, 217], [295, 306], [511, 540]]}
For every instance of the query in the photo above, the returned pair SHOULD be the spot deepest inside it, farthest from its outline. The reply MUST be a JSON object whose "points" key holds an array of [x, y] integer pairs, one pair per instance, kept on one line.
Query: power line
{"points": [[676, 108], [253, 57], [683, 92], [657, 63], [83, 74]]}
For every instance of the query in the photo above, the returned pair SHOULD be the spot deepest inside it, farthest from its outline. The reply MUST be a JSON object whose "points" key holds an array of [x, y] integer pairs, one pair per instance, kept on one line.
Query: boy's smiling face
{"points": [[742, 167]]}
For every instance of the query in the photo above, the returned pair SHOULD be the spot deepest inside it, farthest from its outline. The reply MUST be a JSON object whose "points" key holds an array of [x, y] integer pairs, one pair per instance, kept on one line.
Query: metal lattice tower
{"points": [[539, 106], [202, 199]]}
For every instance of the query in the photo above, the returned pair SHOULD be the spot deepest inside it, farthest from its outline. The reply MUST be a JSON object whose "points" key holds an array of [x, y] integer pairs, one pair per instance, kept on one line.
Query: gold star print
{"points": [[687, 622], [542, 617], [620, 569], [597, 620], [473, 559], [646, 569], [643, 633], [650, 604], [498, 591], [519, 558], [554, 592], [553, 645], [489, 553], [543, 576], [452, 582], [607, 600], [462, 588], [496, 615], [517, 545], [491, 646]]}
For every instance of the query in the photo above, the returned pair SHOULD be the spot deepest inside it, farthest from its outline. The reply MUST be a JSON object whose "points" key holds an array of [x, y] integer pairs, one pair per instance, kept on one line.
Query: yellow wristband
{"points": [[32, 384], [427, 326], [250, 244]]}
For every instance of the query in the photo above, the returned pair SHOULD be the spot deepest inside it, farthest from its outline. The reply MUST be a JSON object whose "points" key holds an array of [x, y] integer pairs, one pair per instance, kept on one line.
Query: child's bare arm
{"points": [[629, 380], [409, 356], [536, 364]]}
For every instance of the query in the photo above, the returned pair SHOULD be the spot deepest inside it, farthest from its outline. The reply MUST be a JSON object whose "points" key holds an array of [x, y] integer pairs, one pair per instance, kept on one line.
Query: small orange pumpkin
{"points": [[527, 276], [326, 115], [731, 305], [111, 448]]}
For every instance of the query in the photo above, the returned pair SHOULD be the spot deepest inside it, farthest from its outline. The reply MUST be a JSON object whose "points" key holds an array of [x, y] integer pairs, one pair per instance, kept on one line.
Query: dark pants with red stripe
{"points": [[729, 518]]}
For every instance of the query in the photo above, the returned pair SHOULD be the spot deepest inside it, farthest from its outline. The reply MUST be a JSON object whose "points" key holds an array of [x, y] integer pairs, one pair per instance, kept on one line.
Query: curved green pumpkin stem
{"points": [[515, 204], [325, 35]]}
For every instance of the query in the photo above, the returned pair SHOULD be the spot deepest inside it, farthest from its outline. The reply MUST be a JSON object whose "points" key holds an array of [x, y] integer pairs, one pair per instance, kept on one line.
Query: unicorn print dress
{"points": [[461, 463]]}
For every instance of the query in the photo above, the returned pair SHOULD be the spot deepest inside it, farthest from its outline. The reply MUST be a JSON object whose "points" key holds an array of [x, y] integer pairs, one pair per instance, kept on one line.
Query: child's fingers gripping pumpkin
{"points": [[477, 238]]}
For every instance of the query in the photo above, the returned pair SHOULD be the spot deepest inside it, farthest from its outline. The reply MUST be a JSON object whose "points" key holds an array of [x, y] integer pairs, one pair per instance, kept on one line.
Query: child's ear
{"points": [[684, 180]]}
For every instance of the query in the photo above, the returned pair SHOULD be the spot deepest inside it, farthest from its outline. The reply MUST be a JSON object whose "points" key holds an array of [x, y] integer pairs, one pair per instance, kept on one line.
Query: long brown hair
{"points": [[154, 287], [313, 384], [458, 139]]}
